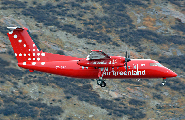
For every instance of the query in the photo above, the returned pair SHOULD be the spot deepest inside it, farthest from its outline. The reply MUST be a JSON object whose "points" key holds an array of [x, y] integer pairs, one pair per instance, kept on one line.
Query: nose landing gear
{"points": [[164, 81]]}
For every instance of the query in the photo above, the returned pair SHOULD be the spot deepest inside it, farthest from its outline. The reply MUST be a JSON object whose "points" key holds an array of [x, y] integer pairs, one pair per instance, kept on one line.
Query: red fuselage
{"points": [[137, 68], [96, 65]]}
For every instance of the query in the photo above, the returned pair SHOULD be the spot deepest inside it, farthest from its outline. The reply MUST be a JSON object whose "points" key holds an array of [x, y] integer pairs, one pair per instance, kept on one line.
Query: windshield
{"points": [[156, 64]]}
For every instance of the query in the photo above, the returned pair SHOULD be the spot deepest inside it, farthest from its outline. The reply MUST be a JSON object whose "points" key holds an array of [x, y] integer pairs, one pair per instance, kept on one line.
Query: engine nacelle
{"points": [[113, 61]]}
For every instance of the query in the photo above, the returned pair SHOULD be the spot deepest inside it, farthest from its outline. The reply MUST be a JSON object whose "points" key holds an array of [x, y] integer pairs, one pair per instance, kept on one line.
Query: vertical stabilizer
{"points": [[23, 46], [26, 51]]}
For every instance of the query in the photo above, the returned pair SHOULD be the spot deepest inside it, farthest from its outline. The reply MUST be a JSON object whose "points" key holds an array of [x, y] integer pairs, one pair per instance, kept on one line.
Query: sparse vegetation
{"points": [[157, 96], [136, 102], [174, 61], [107, 22], [13, 4], [24, 109]]}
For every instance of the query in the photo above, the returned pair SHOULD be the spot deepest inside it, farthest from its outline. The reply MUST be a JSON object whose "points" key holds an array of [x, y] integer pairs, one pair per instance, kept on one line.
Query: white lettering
{"points": [[143, 72], [106, 71], [129, 73], [121, 73]]}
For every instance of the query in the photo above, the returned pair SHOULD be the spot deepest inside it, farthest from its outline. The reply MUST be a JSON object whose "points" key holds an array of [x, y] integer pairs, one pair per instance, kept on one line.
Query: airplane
{"points": [[98, 65]]}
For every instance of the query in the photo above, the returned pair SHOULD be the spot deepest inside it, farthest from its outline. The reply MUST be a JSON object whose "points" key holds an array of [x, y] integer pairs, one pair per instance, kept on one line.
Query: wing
{"points": [[97, 54]]}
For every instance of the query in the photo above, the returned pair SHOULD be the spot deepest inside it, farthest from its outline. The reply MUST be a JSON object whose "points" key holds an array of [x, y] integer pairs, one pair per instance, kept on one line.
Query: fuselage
{"points": [[97, 65], [137, 68]]}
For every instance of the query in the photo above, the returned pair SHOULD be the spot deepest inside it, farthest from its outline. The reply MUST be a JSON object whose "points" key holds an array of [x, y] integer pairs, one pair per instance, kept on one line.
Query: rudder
{"points": [[26, 51], [23, 46]]}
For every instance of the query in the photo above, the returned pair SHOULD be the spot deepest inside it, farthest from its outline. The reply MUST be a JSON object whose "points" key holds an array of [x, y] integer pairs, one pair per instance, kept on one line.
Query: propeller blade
{"points": [[126, 66], [126, 61], [126, 55]]}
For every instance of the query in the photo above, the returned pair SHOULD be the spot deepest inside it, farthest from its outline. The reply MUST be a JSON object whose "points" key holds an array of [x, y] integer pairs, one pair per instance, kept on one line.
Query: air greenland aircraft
{"points": [[97, 65]]}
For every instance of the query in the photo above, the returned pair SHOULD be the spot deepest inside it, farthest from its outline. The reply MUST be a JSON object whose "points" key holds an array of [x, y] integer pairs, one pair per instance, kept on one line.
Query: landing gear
{"points": [[100, 75], [101, 82], [164, 81]]}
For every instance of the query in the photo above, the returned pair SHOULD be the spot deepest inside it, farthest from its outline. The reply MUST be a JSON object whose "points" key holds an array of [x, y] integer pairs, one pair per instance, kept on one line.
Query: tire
{"points": [[103, 84], [99, 82]]}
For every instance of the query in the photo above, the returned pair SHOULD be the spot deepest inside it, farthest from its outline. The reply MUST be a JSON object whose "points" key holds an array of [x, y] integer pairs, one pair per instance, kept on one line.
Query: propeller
{"points": [[127, 59]]}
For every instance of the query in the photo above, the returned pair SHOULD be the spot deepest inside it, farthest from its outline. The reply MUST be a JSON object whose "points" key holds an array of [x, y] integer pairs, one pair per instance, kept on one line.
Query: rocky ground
{"points": [[147, 28]]}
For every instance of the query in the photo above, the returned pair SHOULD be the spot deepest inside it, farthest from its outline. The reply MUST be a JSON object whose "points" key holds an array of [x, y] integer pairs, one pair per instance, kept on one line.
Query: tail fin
{"points": [[26, 50], [23, 46]]}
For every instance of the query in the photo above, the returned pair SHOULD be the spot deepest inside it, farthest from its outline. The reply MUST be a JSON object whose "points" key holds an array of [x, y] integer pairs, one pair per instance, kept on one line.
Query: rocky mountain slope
{"points": [[152, 29]]}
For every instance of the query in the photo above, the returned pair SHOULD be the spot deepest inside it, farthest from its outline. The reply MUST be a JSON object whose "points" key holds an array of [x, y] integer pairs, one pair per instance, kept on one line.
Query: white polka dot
{"points": [[38, 59], [20, 41], [11, 32], [29, 54], [33, 45], [42, 63], [24, 54], [43, 54], [15, 36], [24, 45], [33, 58], [33, 63], [33, 54], [33, 49], [15, 54], [20, 54], [38, 54], [29, 49], [24, 63], [29, 58]]}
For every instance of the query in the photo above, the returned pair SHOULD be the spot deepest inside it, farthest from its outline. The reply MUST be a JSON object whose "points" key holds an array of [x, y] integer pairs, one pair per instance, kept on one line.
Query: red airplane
{"points": [[97, 65]]}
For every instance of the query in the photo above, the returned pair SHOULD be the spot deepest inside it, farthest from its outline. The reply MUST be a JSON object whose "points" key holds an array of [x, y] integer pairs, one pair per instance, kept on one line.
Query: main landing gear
{"points": [[101, 82]]}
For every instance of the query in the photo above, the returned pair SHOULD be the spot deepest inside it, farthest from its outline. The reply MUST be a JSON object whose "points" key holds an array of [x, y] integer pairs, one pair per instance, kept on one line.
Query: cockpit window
{"points": [[158, 64], [155, 64]]}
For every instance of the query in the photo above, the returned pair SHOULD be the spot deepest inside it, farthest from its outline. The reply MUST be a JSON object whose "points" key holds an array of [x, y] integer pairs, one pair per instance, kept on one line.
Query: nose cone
{"points": [[170, 73], [173, 74]]}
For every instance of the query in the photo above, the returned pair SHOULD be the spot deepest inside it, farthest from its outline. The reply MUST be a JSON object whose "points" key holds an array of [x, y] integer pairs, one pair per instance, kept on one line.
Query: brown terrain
{"points": [[152, 29]]}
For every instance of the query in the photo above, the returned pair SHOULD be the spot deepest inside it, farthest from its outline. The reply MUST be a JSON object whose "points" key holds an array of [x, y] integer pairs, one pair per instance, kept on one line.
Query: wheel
{"points": [[103, 84], [99, 82]]}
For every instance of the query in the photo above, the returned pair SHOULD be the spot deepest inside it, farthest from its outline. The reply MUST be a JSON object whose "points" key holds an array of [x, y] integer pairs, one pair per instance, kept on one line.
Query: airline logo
{"points": [[132, 72]]}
